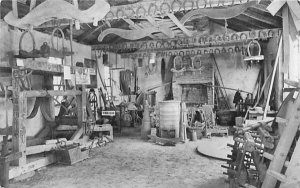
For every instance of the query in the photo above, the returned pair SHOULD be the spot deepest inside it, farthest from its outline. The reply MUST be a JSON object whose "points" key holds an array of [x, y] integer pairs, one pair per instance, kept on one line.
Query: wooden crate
{"points": [[71, 154]]}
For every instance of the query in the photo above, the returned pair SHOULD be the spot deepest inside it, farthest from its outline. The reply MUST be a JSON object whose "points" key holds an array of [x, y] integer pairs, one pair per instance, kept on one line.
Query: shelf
{"points": [[41, 65]]}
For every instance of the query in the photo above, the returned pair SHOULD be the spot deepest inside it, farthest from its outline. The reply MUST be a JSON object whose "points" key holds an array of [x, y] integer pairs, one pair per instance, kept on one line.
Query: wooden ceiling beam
{"points": [[254, 24], [262, 18], [15, 8], [232, 25], [54, 23], [32, 4], [165, 30], [263, 8], [90, 32], [137, 27], [199, 40], [180, 25]]}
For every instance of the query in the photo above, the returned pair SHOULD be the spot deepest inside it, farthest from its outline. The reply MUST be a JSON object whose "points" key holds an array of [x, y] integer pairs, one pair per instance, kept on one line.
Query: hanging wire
{"points": [[226, 26]]}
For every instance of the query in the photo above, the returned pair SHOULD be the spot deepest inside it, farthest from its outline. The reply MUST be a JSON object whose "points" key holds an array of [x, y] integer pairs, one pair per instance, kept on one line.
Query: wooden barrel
{"points": [[170, 116]]}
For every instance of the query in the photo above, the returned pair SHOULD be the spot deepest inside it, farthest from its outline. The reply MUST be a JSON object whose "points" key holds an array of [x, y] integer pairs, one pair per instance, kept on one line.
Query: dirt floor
{"points": [[130, 162]]}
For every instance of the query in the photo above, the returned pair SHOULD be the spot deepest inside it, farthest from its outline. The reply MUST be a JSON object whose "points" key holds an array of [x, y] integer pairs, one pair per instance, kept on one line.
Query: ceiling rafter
{"points": [[180, 25], [255, 24], [263, 9], [232, 25], [261, 18], [135, 26], [165, 30]]}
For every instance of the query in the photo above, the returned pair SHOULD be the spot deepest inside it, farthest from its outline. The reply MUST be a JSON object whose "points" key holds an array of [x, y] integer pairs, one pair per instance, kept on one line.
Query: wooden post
{"points": [[146, 127], [279, 84], [272, 79], [19, 116], [19, 131], [286, 37], [4, 170], [81, 114]]}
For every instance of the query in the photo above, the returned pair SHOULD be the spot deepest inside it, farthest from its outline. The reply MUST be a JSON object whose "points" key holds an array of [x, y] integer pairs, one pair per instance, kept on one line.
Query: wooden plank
{"points": [[4, 131], [88, 33], [264, 19], [46, 147], [77, 134], [39, 64], [271, 157], [284, 144], [75, 3], [53, 23], [194, 41], [292, 83], [295, 8], [253, 22], [67, 128], [17, 171], [286, 38], [15, 8], [275, 6], [19, 113], [292, 172], [182, 52], [48, 93], [165, 30], [10, 157], [277, 175], [131, 23], [296, 21], [32, 4], [135, 26], [180, 25], [272, 78], [235, 25]]}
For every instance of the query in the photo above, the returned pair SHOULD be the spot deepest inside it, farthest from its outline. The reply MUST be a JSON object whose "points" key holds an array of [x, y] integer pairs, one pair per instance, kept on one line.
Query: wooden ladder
{"points": [[279, 158]]}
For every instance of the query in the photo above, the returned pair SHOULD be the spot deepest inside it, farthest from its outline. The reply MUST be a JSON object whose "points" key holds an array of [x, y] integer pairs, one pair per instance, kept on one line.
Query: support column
{"points": [[19, 117]]}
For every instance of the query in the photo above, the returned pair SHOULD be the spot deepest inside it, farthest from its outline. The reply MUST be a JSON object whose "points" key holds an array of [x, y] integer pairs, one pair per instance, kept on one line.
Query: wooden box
{"points": [[70, 155]]}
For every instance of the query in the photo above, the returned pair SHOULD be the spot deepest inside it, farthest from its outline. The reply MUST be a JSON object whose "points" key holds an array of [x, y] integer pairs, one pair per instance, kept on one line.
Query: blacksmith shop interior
{"points": [[150, 94]]}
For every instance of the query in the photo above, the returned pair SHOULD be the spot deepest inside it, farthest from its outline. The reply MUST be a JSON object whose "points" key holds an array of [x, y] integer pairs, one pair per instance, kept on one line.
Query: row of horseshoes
{"points": [[164, 8], [195, 41]]}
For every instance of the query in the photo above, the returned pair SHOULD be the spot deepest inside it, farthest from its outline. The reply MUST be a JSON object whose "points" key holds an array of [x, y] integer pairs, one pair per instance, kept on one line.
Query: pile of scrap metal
{"points": [[266, 154]]}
